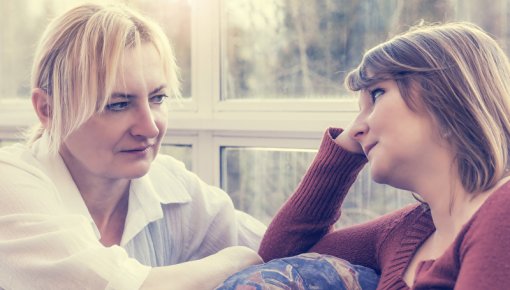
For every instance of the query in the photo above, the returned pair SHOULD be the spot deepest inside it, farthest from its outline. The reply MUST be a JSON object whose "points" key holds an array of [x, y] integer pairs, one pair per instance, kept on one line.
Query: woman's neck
{"points": [[108, 206], [451, 206], [106, 200]]}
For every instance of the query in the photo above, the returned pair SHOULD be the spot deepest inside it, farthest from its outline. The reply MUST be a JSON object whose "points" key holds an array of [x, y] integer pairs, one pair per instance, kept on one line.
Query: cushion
{"points": [[310, 271]]}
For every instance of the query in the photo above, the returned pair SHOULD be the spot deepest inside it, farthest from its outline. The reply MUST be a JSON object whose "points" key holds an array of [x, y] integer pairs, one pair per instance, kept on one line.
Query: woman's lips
{"points": [[368, 148], [138, 150]]}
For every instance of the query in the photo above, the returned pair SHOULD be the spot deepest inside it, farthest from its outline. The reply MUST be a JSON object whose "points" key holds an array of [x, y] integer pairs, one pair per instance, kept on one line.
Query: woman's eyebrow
{"points": [[119, 95], [157, 90]]}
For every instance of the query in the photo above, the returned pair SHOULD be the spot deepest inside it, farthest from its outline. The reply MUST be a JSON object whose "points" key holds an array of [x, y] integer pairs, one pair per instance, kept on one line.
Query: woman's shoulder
{"points": [[19, 157], [24, 180], [16, 152], [495, 208], [488, 229], [501, 194]]}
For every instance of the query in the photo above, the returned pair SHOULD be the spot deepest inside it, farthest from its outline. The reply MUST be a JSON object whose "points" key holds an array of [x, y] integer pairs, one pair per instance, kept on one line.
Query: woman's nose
{"points": [[359, 128], [145, 123]]}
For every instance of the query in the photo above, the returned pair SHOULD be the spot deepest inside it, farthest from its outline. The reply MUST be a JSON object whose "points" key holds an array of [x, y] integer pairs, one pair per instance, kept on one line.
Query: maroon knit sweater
{"points": [[479, 257]]}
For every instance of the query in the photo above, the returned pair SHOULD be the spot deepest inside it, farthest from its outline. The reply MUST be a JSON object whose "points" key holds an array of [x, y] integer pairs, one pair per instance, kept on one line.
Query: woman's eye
{"points": [[116, 107], [375, 94], [158, 99]]}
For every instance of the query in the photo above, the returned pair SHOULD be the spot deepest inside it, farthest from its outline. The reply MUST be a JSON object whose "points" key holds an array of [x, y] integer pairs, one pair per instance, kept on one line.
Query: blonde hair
{"points": [[77, 58], [461, 76]]}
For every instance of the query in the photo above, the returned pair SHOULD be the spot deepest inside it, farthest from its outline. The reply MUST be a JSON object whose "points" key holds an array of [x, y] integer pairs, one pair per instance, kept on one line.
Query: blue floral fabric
{"points": [[310, 271]]}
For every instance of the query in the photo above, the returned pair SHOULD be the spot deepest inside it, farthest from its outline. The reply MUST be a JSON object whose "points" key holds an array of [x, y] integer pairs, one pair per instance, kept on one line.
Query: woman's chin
{"points": [[384, 177], [378, 178], [136, 172], [378, 174]]}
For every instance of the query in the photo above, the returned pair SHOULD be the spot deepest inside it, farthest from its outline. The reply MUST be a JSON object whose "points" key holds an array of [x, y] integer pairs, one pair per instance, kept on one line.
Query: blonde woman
{"points": [[89, 203], [434, 119]]}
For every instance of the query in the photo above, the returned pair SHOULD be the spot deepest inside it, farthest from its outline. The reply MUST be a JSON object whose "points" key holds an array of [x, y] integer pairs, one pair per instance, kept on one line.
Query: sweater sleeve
{"points": [[311, 211]]}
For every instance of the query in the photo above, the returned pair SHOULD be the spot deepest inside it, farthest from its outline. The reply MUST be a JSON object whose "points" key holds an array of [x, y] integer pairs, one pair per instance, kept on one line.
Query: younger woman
{"points": [[434, 120]]}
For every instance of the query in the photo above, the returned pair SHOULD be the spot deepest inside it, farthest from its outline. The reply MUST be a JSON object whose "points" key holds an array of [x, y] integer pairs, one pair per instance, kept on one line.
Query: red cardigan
{"points": [[479, 258]]}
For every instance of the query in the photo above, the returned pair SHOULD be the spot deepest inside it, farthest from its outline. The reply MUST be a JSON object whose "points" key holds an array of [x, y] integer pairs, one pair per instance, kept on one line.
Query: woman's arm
{"points": [[205, 273], [312, 210]]}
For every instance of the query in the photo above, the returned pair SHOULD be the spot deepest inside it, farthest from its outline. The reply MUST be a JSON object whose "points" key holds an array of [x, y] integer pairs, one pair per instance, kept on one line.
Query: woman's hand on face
{"points": [[347, 142]]}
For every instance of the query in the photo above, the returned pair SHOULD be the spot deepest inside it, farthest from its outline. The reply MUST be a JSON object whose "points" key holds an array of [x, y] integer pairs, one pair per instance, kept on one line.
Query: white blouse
{"points": [[48, 239]]}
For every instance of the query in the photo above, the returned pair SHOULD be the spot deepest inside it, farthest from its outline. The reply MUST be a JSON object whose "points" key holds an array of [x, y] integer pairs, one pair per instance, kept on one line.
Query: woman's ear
{"points": [[42, 106]]}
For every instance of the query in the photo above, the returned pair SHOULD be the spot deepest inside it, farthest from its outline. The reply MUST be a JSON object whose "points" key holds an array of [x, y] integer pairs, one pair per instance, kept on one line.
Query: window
{"points": [[180, 152], [262, 80]]}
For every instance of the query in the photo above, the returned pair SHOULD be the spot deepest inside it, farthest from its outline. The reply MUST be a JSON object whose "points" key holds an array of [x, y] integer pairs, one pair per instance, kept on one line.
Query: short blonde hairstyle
{"points": [[461, 76], [77, 58]]}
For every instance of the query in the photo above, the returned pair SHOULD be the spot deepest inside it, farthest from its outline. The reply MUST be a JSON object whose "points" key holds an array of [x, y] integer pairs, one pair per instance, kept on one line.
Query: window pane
{"points": [[302, 49], [23, 22], [259, 181], [180, 152]]}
